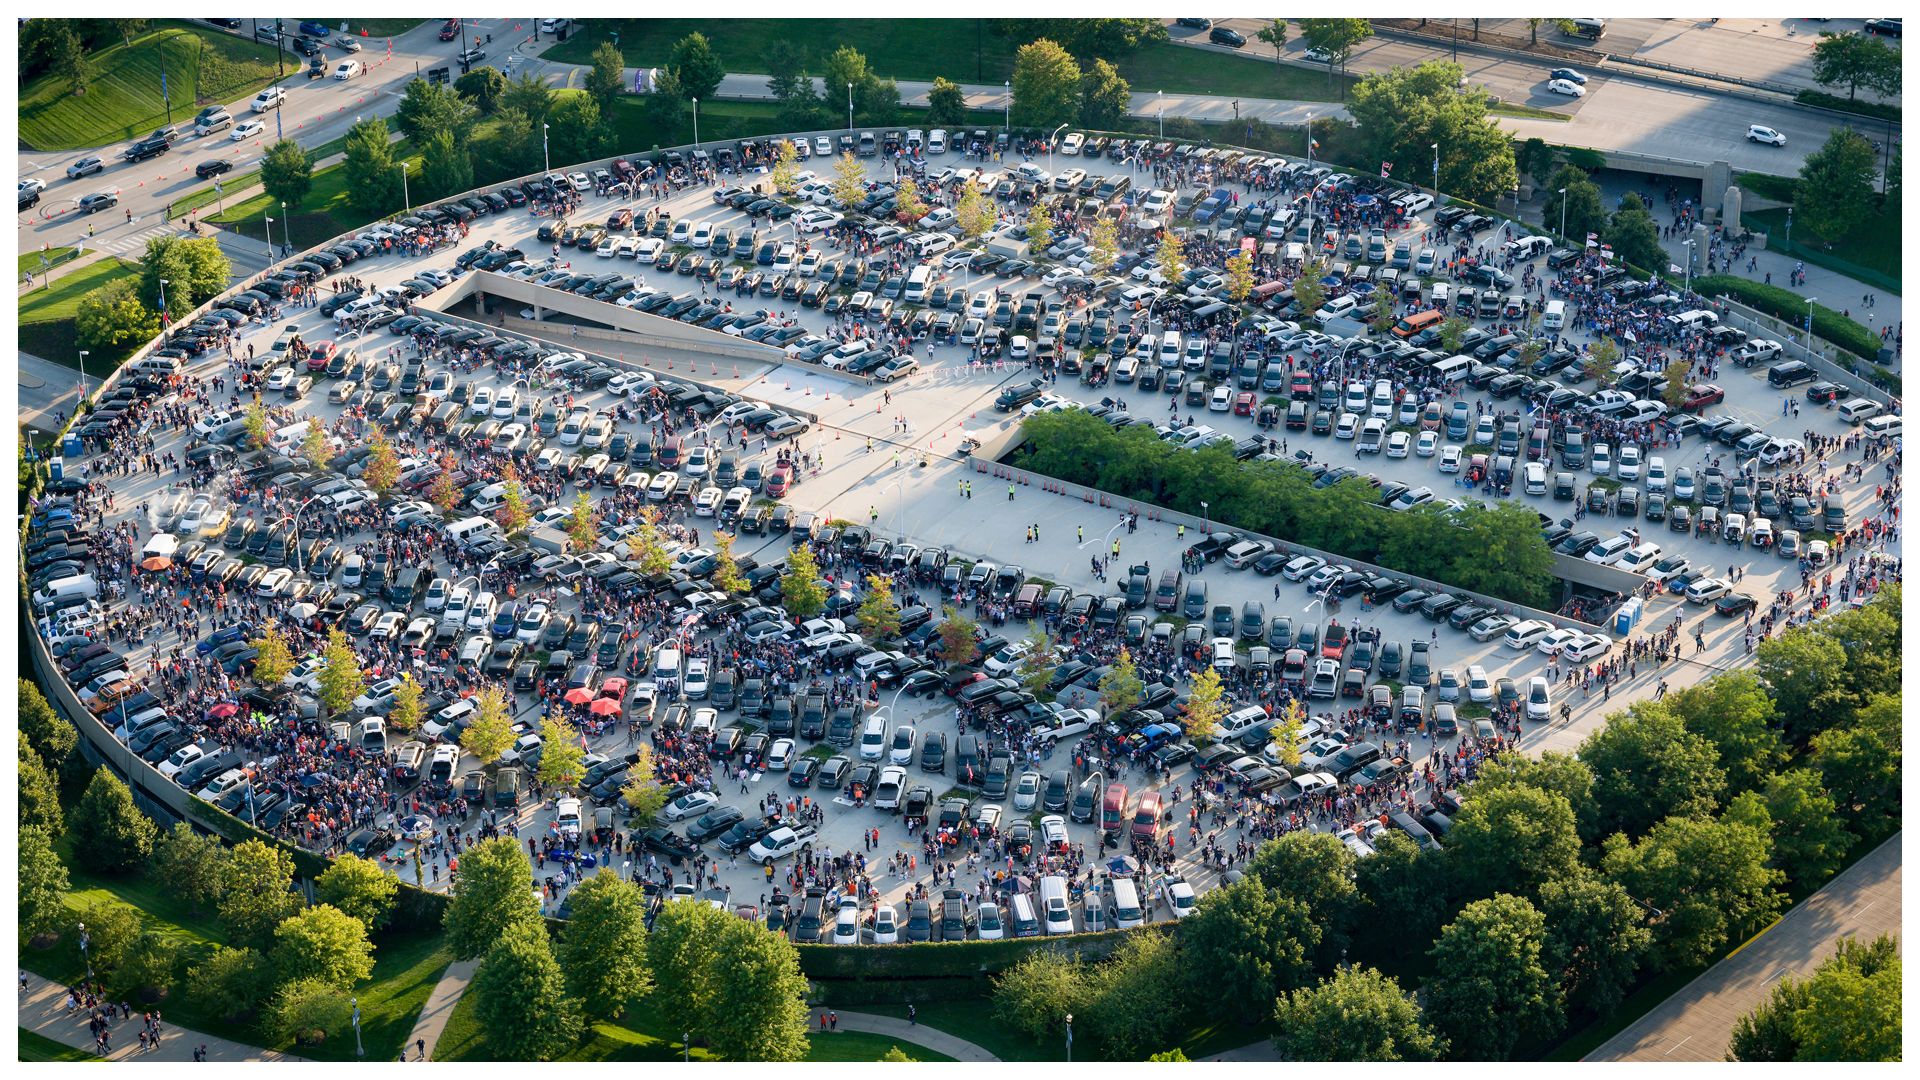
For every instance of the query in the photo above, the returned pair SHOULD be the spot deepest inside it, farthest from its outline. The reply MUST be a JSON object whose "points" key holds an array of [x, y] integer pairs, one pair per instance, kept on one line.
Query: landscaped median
{"points": [[1828, 324]]}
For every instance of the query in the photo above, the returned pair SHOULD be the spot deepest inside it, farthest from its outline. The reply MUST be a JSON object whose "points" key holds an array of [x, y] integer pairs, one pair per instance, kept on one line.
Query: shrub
{"points": [[1828, 324]]}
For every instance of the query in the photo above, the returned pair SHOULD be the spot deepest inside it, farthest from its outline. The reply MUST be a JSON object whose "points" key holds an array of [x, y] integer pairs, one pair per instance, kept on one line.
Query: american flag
{"points": [[1386, 169]]}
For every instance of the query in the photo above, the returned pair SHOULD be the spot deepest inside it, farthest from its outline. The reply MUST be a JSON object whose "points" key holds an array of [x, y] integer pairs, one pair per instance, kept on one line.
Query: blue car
{"points": [[222, 636]]}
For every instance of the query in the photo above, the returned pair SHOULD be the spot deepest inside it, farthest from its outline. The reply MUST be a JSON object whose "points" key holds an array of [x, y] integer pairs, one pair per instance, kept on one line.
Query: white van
{"points": [[1127, 912], [1452, 368], [1859, 410], [61, 588], [1021, 911], [666, 663], [1555, 316], [873, 739], [1381, 405], [1241, 720], [917, 284], [469, 530], [290, 436], [1882, 427], [1170, 349], [1054, 909]]}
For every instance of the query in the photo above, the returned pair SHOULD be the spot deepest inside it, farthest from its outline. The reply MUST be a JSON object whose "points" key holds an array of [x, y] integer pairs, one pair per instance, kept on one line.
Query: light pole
{"points": [[358, 1047], [83, 373], [1206, 520], [1789, 244], [163, 296], [1563, 215], [286, 228], [1069, 1038], [1436, 170], [849, 107], [545, 158], [1160, 110], [686, 1046], [1050, 138], [1007, 104], [1686, 280], [696, 123], [269, 238], [83, 950], [1810, 326], [405, 197]]}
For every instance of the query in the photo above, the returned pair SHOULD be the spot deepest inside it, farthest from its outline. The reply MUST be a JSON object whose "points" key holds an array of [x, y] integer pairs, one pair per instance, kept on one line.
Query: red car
{"points": [[449, 29], [780, 480], [1702, 395], [1243, 403], [1333, 644], [322, 352]]}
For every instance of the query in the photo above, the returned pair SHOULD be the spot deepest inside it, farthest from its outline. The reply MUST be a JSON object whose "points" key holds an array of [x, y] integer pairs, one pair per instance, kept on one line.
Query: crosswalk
{"points": [[122, 242]]}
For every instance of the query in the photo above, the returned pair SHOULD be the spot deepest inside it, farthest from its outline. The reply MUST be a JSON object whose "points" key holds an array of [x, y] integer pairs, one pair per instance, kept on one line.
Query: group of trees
{"points": [[1051, 87], [1402, 115], [125, 312], [1667, 838], [1836, 189], [730, 982], [1630, 230], [63, 48], [1857, 62], [848, 81], [1497, 551]]}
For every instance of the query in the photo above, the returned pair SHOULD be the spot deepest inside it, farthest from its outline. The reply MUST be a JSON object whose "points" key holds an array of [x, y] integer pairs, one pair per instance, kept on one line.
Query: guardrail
{"points": [[1824, 357]]}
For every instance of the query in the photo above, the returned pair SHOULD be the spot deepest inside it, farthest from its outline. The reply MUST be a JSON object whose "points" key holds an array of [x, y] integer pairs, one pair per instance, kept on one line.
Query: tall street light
{"points": [[163, 296], [1809, 326], [403, 187], [269, 238], [286, 228], [849, 107], [1686, 280], [696, 123], [1050, 138], [1007, 104], [1563, 215], [83, 373], [1161, 111], [1436, 170], [545, 158]]}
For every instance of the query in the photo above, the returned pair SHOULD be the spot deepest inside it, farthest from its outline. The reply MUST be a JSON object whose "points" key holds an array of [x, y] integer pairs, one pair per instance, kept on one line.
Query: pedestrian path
{"points": [[893, 1027], [439, 1009], [43, 1012]]}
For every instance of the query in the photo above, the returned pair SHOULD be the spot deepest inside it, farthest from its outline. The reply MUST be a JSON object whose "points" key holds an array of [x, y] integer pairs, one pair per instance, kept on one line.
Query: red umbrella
{"points": [[604, 707], [579, 694], [222, 710]]}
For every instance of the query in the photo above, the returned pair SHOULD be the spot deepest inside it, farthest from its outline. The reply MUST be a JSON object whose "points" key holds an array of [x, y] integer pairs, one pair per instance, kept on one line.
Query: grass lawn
{"points": [[864, 1046], [636, 130], [974, 1022], [32, 262], [1869, 253], [375, 28], [231, 185], [46, 314], [325, 213], [897, 48], [406, 966], [37, 1047], [123, 100]]}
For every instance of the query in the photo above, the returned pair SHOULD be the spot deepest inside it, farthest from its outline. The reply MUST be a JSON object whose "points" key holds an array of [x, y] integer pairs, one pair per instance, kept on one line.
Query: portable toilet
{"points": [[1627, 617], [71, 446]]}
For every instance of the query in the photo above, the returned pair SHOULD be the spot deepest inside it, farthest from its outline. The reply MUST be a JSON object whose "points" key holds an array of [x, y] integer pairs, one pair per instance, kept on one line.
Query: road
{"points": [[1696, 1024], [1620, 112]]}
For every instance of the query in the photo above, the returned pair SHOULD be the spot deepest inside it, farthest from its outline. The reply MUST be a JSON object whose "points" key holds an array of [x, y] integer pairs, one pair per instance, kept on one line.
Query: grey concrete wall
{"points": [[1832, 362]]}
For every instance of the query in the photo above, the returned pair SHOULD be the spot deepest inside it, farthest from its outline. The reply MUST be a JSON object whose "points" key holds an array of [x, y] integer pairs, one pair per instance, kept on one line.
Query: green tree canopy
{"points": [[256, 892], [1357, 1014], [114, 319], [1247, 945], [1402, 113], [696, 70], [521, 996], [1836, 188], [492, 893], [606, 79], [1046, 85], [194, 267], [1855, 61], [1104, 96], [110, 834], [373, 173], [323, 943], [360, 888], [603, 949], [1596, 938], [1513, 839], [1635, 236], [1707, 880], [190, 865], [286, 174], [1316, 869], [482, 87], [1647, 765], [41, 882], [1586, 212], [760, 996], [1490, 987], [946, 104]]}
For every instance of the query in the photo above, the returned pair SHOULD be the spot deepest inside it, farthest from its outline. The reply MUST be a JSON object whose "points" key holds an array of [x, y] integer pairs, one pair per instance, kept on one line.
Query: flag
{"points": [[1593, 239], [163, 87], [1386, 169]]}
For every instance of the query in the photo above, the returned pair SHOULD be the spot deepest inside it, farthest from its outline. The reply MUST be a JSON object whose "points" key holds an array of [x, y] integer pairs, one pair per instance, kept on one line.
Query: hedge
{"points": [[1876, 110], [935, 971], [1828, 324], [1768, 186]]}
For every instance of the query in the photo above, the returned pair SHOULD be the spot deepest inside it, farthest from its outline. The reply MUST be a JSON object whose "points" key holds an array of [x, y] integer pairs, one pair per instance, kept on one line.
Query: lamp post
{"points": [[1563, 215], [1436, 170], [696, 123], [1686, 279], [286, 228], [84, 956], [404, 196], [1810, 326], [269, 239], [545, 157], [1160, 111], [849, 107], [163, 296], [1069, 1038], [83, 373], [358, 1047], [1789, 244], [1050, 138], [1206, 519], [686, 1046], [1007, 104]]}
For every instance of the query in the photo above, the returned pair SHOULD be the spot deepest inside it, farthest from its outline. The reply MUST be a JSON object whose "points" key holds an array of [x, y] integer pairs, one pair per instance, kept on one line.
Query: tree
{"points": [[1595, 939], [1127, 1013], [580, 131], [1848, 1010], [1046, 85], [1535, 158], [1735, 713], [383, 463], [1035, 670], [1039, 228], [256, 892], [514, 514], [1205, 707], [316, 447], [341, 681], [1356, 1014], [441, 492], [1240, 279], [959, 640], [1405, 887], [645, 545], [483, 87], [1854, 61], [527, 95], [879, 614], [51, 735], [110, 834], [41, 882], [311, 1011], [445, 166], [846, 67], [801, 591], [909, 205], [1317, 870], [849, 181], [68, 58], [232, 982], [1554, 771], [1336, 37], [1105, 97], [791, 86], [323, 943], [786, 168], [696, 70], [112, 318], [1860, 764], [372, 172], [359, 888], [879, 101], [946, 104], [760, 996], [1274, 34], [491, 732], [1586, 213], [562, 753], [1247, 945], [603, 949], [1601, 357], [145, 970], [428, 108], [257, 422], [1635, 236], [409, 706], [1453, 330], [194, 267], [112, 929], [1800, 669], [1647, 765], [684, 950], [1835, 192], [39, 793], [726, 570], [583, 526], [286, 174], [1707, 879], [1401, 113], [643, 793], [894, 1053], [974, 213], [1490, 988], [492, 893], [1104, 249], [1513, 840], [606, 79], [1172, 256], [190, 865], [520, 996], [1810, 837], [1037, 993]]}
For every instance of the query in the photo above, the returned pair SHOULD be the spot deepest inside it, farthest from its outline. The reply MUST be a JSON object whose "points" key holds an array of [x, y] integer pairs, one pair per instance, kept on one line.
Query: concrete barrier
{"points": [[1831, 361]]}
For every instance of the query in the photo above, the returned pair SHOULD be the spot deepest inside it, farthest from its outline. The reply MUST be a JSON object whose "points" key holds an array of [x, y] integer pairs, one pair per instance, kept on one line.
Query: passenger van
{"points": [[1859, 410], [290, 436], [1058, 915], [1170, 349], [1452, 368], [1419, 321], [917, 284], [1555, 316], [1692, 320], [1113, 808], [1021, 915], [1881, 427], [1125, 904]]}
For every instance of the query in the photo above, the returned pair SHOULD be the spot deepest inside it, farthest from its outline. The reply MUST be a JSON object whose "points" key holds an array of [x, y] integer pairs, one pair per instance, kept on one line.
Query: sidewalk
{"points": [[439, 1008], [919, 1034], [42, 1012]]}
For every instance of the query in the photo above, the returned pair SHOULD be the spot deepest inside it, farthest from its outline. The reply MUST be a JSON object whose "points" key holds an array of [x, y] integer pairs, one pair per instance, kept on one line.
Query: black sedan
{"points": [[712, 823], [666, 842]]}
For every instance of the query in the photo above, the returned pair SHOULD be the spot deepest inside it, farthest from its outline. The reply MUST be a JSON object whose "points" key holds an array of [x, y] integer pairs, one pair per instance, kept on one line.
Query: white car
{"points": [[1425, 445], [1586, 647], [1026, 790], [1301, 566], [1608, 551], [1762, 134], [780, 755], [1555, 641], [1567, 87], [1399, 443], [1450, 458], [270, 98], [846, 926], [886, 926], [1539, 698], [1668, 567], [692, 804], [347, 69], [1526, 634], [247, 129], [1178, 896], [1479, 686], [1601, 463], [1707, 590]]}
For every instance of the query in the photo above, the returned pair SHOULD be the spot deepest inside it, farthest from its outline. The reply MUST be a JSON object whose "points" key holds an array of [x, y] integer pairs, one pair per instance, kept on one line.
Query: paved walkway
{"points": [[439, 1008], [43, 1012], [919, 1034], [1260, 1051], [1696, 1023]]}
